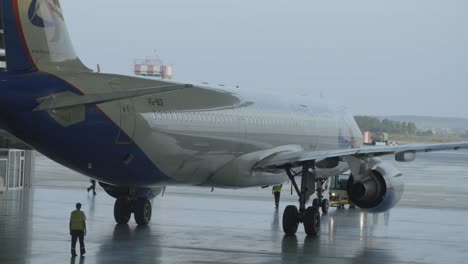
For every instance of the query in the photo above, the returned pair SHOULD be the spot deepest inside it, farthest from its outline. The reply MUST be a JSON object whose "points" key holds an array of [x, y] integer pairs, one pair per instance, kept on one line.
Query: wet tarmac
{"points": [[192, 225]]}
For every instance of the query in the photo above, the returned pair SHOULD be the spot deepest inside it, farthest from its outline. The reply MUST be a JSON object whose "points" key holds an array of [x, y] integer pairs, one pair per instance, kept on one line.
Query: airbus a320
{"points": [[136, 136]]}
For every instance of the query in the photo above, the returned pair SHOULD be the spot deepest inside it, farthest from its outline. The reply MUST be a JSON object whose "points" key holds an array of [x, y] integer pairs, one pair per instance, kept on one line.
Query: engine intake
{"points": [[379, 190]]}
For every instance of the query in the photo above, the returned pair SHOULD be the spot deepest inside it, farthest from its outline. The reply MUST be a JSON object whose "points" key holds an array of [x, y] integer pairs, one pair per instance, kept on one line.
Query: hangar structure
{"points": [[16, 158], [2, 45], [16, 163]]}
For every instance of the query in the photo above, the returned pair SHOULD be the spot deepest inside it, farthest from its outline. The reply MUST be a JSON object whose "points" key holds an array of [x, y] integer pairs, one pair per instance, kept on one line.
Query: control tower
{"points": [[152, 66]]}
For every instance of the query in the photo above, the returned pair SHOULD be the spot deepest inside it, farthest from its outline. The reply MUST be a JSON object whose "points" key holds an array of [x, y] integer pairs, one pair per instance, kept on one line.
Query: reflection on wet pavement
{"points": [[243, 227], [188, 228]]}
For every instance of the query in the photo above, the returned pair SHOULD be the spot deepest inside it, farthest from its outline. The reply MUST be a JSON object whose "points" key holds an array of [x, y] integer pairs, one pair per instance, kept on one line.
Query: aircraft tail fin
{"points": [[36, 37]]}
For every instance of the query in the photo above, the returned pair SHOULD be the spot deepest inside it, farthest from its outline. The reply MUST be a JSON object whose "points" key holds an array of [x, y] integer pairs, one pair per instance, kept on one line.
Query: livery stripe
{"points": [[17, 57], [21, 34]]}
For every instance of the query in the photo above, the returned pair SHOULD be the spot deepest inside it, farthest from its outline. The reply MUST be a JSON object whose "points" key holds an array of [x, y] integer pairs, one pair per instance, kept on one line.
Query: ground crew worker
{"points": [[277, 192], [93, 186], [77, 229]]}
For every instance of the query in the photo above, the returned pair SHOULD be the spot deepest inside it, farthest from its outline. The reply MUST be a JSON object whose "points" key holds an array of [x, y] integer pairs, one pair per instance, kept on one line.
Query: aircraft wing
{"points": [[402, 153], [56, 102]]}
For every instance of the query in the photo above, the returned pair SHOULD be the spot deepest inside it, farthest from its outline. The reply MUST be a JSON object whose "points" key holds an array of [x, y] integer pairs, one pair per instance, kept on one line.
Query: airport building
{"points": [[16, 165], [12, 165], [16, 162]]}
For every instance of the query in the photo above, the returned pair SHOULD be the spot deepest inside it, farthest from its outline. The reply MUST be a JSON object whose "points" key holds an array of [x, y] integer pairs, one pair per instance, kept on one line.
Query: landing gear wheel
{"points": [[325, 206], [315, 203], [310, 217], [312, 221], [122, 211], [142, 211], [290, 220], [352, 206]]}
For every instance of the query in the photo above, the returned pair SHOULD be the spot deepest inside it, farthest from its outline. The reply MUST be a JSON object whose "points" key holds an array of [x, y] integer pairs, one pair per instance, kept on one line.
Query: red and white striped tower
{"points": [[152, 67]]}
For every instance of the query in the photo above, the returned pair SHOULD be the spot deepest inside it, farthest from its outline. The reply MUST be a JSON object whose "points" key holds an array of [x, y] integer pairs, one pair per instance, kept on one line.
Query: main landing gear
{"points": [[125, 206], [309, 216]]}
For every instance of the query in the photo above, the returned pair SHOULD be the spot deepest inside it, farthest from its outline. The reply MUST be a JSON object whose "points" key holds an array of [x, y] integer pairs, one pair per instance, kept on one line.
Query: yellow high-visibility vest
{"points": [[277, 188], [77, 219]]}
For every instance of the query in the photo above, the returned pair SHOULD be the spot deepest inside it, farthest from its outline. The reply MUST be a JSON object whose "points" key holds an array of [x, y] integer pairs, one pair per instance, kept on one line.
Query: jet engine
{"points": [[378, 189]]}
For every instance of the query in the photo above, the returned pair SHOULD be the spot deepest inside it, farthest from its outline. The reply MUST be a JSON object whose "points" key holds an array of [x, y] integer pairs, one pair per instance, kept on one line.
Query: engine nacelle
{"points": [[378, 191]]}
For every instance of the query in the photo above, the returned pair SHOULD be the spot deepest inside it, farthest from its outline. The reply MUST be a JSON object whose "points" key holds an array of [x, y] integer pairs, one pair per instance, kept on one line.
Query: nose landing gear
{"points": [[130, 200], [122, 210], [142, 211], [124, 207]]}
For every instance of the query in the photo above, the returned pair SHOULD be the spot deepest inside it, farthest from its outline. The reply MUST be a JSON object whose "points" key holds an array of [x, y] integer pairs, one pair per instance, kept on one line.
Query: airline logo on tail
{"points": [[49, 8]]}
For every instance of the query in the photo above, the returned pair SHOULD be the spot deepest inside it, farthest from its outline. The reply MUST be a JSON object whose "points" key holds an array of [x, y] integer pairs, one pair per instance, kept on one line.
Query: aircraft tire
{"points": [[122, 211], [325, 206], [290, 220], [315, 202], [312, 221], [142, 211]]}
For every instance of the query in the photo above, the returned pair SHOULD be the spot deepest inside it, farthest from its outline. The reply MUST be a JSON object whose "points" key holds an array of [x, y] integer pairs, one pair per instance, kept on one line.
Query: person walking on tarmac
{"points": [[277, 192], [93, 186], [77, 229]]}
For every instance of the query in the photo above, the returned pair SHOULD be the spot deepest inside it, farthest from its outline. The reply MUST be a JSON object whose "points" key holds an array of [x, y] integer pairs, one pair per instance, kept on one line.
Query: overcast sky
{"points": [[376, 57]]}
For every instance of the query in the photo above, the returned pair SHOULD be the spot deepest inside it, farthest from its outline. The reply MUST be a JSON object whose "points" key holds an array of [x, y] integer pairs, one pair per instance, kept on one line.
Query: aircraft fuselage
{"points": [[179, 137]]}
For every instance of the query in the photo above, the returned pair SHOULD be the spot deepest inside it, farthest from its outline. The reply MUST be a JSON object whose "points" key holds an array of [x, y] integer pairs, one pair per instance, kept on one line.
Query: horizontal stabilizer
{"points": [[56, 102]]}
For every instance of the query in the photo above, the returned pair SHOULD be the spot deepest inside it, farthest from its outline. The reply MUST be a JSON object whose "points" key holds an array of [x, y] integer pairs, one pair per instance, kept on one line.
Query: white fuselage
{"points": [[195, 136]]}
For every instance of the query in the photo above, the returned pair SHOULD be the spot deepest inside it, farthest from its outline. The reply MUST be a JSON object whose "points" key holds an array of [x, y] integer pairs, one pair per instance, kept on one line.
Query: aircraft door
{"points": [[127, 119]]}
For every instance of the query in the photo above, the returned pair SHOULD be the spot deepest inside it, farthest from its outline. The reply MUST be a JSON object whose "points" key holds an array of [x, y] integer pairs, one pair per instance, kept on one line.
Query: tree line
{"points": [[375, 125]]}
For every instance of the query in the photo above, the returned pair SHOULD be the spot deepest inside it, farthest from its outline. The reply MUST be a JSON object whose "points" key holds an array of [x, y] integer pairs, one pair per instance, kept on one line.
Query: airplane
{"points": [[136, 136]]}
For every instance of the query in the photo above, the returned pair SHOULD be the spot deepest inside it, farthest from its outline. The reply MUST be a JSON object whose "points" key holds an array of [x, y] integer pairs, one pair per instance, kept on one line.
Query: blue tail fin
{"points": [[36, 37], [17, 58]]}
